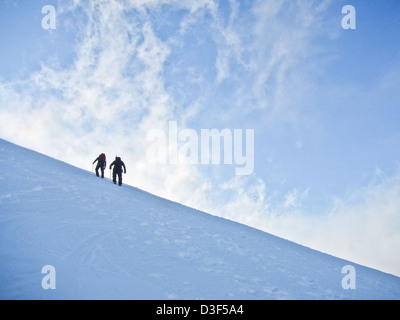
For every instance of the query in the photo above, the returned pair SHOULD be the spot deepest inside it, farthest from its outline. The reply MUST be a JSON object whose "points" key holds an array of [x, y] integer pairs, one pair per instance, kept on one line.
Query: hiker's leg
{"points": [[120, 178]]}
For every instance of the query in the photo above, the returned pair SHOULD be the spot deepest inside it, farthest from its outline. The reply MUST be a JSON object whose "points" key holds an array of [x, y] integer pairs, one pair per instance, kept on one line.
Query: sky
{"points": [[310, 107]]}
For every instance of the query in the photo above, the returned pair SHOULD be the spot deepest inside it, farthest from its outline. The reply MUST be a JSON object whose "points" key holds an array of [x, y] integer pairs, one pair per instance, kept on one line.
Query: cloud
{"points": [[115, 90], [108, 98], [368, 223], [362, 227]]}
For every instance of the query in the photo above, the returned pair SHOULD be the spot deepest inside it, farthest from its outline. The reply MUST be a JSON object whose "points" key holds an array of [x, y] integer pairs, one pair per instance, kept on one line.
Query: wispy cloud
{"points": [[362, 227], [116, 90]]}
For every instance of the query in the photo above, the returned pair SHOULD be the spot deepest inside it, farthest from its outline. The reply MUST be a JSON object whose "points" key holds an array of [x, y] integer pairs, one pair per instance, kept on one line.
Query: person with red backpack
{"points": [[101, 164]]}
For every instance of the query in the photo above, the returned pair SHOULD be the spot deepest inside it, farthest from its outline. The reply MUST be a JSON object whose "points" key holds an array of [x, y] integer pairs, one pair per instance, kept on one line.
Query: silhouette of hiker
{"points": [[101, 164], [118, 164]]}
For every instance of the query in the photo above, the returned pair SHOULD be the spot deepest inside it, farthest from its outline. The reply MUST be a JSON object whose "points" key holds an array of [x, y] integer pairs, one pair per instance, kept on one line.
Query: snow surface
{"points": [[111, 242]]}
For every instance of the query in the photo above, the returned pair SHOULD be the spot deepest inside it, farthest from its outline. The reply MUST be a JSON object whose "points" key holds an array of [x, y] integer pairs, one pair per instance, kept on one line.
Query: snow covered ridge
{"points": [[66, 234]]}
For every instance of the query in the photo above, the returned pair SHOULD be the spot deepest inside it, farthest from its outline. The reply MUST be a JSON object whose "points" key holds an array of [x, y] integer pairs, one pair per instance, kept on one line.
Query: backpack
{"points": [[102, 157]]}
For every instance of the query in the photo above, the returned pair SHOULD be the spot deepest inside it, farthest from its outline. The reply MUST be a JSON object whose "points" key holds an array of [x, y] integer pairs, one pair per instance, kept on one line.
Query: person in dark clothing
{"points": [[118, 165], [101, 164]]}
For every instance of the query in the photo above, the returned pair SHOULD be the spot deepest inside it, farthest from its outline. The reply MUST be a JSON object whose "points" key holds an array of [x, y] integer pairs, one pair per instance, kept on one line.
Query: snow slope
{"points": [[110, 242]]}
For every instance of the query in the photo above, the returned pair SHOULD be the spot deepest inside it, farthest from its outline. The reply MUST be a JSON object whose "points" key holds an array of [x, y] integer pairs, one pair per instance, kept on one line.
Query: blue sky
{"points": [[323, 103]]}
